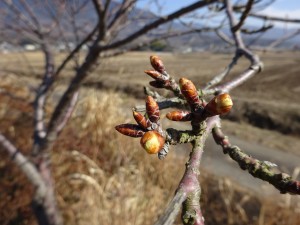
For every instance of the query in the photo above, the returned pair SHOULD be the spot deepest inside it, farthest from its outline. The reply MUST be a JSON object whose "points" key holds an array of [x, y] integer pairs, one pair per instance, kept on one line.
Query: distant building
{"points": [[30, 47]]}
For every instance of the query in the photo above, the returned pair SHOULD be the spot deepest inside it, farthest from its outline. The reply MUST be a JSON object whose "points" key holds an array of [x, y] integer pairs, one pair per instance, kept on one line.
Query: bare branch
{"points": [[224, 37], [241, 50], [259, 30], [217, 79], [172, 209], [188, 191], [164, 104], [125, 6], [274, 18], [101, 17], [160, 37], [68, 112], [27, 168], [157, 23], [21, 16], [63, 105], [39, 103], [75, 51], [284, 38], [33, 17], [243, 16], [259, 169], [232, 21]]}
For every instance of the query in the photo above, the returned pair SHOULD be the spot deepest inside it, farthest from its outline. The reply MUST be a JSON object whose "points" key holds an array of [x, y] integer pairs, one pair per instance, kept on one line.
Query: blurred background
{"points": [[102, 177]]}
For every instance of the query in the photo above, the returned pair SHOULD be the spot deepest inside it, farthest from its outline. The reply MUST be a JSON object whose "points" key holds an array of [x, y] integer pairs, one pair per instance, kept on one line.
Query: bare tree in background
{"points": [[106, 33]]}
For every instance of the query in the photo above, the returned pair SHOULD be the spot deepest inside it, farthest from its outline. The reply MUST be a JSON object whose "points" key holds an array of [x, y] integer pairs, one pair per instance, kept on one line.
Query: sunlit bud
{"points": [[189, 91], [152, 142], [219, 105], [131, 130], [154, 74], [157, 63], [152, 109], [179, 116], [140, 119]]}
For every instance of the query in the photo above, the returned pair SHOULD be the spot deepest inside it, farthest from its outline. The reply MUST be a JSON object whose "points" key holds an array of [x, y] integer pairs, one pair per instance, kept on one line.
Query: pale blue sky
{"points": [[282, 8], [171, 5]]}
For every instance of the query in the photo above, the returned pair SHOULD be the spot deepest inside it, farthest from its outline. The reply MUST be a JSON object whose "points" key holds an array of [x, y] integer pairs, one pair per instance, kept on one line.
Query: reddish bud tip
{"points": [[152, 109], [179, 116], [152, 142], [157, 63], [154, 74], [140, 119], [189, 91], [131, 130], [219, 105]]}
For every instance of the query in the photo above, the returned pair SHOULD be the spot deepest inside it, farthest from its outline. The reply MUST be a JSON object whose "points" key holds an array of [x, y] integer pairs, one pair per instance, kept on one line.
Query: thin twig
{"points": [[243, 16], [158, 22], [275, 18]]}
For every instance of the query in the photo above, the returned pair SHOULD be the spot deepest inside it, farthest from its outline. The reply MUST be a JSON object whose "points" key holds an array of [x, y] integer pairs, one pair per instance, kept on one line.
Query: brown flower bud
{"points": [[152, 109], [219, 105], [179, 116], [157, 84], [160, 84], [152, 142], [131, 130], [140, 119], [189, 91], [157, 63], [154, 74]]}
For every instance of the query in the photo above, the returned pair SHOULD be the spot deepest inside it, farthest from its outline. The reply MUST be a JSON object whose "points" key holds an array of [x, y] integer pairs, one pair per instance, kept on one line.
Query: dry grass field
{"points": [[105, 178]]}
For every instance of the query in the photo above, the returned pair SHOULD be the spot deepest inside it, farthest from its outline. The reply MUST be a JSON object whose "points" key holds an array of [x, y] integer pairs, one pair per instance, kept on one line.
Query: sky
{"points": [[281, 8], [285, 6]]}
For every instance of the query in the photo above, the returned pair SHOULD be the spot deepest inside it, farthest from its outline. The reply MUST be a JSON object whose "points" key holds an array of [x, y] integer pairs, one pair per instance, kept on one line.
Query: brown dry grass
{"points": [[105, 178], [107, 172]]}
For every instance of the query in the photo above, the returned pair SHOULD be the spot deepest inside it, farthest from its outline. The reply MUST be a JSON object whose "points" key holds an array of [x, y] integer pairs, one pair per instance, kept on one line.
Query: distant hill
{"points": [[87, 17]]}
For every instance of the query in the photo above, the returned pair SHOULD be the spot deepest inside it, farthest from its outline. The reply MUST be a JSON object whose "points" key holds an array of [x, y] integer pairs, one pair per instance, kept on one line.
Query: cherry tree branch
{"points": [[125, 6], [262, 29], [243, 16], [158, 22], [224, 37], [27, 168], [164, 104], [275, 18], [68, 113], [75, 51], [218, 78], [160, 37], [188, 191], [259, 169], [91, 61], [255, 66], [284, 38], [39, 103]]}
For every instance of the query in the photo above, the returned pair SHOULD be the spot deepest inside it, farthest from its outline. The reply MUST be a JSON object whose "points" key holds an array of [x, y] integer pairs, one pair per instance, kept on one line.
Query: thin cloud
{"points": [[285, 13]]}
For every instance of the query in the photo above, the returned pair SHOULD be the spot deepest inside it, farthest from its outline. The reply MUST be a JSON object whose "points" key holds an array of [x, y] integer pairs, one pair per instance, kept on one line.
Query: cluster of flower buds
{"points": [[147, 127], [161, 78], [159, 74], [219, 105]]}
